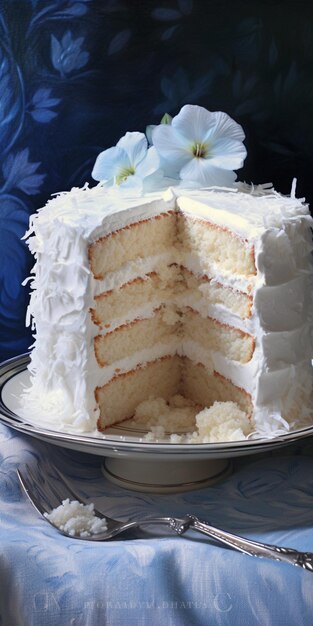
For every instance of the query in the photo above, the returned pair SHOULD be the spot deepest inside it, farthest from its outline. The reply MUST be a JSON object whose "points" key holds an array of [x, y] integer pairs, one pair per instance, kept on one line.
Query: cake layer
{"points": [[206, 388], [213, 336], [215, 293], [164, 326], [135, 294], [164, 378], [217, 247], [119, 398], [171, 283], [132, 297], [153, 236], [129, 338], [213, 248]]}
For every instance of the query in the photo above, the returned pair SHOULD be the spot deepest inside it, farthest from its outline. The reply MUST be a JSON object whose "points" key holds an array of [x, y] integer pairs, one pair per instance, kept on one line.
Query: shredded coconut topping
{"points": [[77, 519]]}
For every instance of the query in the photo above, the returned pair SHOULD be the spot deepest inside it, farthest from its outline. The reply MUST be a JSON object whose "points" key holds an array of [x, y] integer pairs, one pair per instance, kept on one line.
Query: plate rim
{"points": [[17, 364]]}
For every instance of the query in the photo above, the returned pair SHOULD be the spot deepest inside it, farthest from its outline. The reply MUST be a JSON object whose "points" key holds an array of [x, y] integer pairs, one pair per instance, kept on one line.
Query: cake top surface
{"points": [[246, 210]]}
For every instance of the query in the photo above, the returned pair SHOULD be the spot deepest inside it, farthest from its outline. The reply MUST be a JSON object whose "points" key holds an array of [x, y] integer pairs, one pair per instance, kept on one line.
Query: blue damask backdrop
{"points": [[76, 74]]}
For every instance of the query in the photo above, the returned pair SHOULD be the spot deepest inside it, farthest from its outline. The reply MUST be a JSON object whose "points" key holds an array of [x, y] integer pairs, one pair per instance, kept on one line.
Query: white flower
{"points": [[205, 147], [128, 163]]}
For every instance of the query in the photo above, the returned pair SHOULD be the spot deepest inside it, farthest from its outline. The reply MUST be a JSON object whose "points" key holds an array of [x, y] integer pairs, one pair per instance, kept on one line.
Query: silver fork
{"points": [[44, 496]]}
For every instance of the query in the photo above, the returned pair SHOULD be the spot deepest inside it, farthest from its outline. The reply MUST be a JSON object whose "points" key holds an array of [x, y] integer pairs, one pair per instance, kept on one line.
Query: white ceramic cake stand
{"points": [[130, 462]]}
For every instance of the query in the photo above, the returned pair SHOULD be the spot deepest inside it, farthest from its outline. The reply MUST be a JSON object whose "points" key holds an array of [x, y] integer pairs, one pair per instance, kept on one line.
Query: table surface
{"points": [[51, 580]]}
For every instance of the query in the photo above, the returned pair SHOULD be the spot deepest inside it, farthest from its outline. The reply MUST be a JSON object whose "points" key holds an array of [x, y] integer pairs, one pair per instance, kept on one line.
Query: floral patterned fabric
{"points": [[75, 75], [159, 579]]}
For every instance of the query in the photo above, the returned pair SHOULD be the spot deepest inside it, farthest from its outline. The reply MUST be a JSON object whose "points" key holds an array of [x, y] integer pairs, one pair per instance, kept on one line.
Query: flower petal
{"points": [[193, 123], [132, 184], [154, 182], [227, 154], [109, 162], [149, 164], [202, 172], [171, 145], [223, 125], [149, 131], [135, 145]]}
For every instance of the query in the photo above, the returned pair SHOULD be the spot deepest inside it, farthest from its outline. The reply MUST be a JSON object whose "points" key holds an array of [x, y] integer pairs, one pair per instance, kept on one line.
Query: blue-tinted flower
{"points": [[19, 173], [76, 9], [172, 16], [11, 99], [67, 54], [169, 169], [41, 105], [166, 119], [180, 87], [128, 163], [205, 147], [119, 41]]}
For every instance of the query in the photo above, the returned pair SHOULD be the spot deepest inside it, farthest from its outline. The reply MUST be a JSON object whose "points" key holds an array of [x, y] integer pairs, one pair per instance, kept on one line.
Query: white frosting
{"points": [[199, 266], [63, 365], [100, 376], [134, 269], [246, 214]]}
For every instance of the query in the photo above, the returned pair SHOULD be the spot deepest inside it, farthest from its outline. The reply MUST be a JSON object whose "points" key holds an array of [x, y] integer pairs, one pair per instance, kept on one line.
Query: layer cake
{"points": [[206, 294]]}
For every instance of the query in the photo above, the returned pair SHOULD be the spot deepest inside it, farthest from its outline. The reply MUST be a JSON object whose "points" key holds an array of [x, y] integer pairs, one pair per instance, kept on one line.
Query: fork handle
{"points": [[254, 548]]}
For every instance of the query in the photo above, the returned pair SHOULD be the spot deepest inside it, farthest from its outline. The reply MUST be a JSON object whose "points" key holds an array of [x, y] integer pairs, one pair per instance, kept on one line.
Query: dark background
{"points": [[75, 75]]}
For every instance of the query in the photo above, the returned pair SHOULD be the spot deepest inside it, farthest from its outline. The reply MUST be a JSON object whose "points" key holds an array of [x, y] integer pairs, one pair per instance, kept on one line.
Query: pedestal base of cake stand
{"points": [[165, 476]]}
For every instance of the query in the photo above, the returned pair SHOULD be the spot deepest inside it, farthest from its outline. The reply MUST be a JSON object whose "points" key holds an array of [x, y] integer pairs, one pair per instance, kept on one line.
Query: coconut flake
{"points": [[76, 519]]}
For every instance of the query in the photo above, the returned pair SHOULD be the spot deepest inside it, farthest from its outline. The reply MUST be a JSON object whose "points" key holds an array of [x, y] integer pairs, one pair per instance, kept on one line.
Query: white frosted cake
{"points": [[185, 298]]}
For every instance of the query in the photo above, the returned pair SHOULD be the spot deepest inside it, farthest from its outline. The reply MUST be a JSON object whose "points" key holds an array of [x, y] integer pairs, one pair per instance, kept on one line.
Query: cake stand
{"points": [[128, 460]]}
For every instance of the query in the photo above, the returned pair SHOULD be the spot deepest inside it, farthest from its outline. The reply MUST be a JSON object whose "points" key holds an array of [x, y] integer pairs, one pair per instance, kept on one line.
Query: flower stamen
{"points": [[124, 173], [200, 150]]}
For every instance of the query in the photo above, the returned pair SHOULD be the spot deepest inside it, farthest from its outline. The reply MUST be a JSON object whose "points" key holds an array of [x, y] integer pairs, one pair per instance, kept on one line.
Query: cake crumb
{"points": [[76, 519], [175, 414], [178, 402], [222, 422]]}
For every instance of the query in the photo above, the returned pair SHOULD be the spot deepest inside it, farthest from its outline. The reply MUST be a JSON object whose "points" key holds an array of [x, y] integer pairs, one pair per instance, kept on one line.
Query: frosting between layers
{"points": [[63, 292]]}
